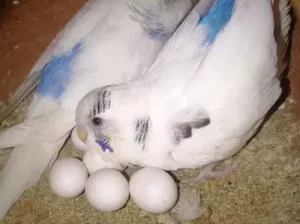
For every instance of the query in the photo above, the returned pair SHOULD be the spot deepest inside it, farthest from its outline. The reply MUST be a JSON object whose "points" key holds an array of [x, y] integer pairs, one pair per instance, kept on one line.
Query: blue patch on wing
{"points": [[217, 18], [56, 73], [105, 147]]}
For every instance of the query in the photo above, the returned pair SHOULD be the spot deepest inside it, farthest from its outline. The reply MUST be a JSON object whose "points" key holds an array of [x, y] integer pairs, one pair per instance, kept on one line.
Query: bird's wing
{"points": [[76, 29], [237, 84]]}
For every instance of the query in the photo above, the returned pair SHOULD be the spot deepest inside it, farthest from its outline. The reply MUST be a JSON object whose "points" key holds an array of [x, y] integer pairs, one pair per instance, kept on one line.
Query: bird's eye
{"points": [[97, 121]]}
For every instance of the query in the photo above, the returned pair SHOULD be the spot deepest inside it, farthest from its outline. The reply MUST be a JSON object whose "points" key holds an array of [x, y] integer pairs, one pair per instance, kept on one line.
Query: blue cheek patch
{"points": [[217, 18], [56, 73], [105, 147]]}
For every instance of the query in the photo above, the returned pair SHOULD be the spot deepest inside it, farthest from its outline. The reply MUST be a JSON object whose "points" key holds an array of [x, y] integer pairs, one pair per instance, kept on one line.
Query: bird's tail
{"points": [[32, 131], [23, 169], [37, 142]]}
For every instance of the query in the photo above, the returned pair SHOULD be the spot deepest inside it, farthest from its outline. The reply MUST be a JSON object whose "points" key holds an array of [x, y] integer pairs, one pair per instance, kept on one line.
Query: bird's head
{"points": [[107, 118]]}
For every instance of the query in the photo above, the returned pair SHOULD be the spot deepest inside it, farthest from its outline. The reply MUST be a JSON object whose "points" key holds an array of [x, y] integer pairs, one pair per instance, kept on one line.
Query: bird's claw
{"points": [[209, 172]]}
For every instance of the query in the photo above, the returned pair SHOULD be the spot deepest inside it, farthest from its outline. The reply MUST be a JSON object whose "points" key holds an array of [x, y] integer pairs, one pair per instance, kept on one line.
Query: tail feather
{"points": [[31, 132], [14, 136], [23, 169], [48, 127], [285, 8]]}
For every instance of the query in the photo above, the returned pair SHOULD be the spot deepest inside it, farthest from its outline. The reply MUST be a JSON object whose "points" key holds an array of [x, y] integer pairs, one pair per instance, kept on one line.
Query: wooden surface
{"points": [[25, 31]]}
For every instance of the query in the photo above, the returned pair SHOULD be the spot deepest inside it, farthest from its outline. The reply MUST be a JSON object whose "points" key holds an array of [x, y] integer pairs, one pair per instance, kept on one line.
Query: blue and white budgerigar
{"points": [[106, 42], [204, 96]]}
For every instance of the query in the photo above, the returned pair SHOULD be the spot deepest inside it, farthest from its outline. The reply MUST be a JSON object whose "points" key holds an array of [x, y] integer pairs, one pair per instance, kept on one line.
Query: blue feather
{"points": [[105, 147], [56, 73], [217, 18]]}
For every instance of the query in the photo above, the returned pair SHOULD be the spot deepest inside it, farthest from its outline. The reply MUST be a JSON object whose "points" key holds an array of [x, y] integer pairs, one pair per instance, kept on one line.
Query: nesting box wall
{"points": [[26, 28]]}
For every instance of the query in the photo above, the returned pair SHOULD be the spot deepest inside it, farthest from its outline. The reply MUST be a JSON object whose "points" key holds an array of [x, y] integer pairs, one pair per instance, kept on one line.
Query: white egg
{"points": [[67, 177], [77, 142], [153, 190], [93, 161], [107, 190]]}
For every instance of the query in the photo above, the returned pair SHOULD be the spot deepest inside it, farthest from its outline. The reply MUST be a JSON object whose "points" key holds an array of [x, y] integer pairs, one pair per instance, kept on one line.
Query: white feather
{"points": [[236, 86], [232, 82], [116, 49]]}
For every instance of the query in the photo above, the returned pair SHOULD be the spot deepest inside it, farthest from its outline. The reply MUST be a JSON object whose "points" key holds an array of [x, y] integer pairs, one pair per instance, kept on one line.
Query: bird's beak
{"points": [[82, 133]]}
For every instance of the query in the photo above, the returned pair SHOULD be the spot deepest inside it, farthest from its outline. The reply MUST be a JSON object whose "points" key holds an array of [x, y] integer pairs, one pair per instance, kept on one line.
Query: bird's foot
{"points": [[189, 205], [209, 172], [188, 208]]}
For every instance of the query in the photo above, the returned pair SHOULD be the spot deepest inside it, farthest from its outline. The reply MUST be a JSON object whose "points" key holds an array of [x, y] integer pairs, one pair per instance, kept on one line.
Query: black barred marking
{"points": [[103, 142], [141, 130], [103, 102], [94, 111], [98, 105], [185, 130], [182, 132], [101, 137]]}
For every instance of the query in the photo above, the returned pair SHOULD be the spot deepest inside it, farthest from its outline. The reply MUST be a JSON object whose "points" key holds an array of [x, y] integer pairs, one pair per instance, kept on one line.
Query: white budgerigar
{"points": [[106, 42], [204, 96]]}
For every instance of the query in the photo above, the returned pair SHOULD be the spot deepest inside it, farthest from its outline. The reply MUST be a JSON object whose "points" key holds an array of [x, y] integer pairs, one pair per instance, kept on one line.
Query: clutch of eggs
{"points": [[106, 189]]}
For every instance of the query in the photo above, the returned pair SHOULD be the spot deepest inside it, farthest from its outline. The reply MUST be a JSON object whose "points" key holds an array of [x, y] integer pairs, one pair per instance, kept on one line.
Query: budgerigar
{"points": [[204, 96], [105, 43]]}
